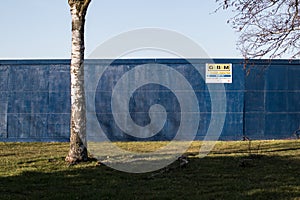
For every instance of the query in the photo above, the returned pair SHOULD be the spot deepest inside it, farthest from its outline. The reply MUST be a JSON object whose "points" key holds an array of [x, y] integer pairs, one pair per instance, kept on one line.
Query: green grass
{"points": [[271, 170]]}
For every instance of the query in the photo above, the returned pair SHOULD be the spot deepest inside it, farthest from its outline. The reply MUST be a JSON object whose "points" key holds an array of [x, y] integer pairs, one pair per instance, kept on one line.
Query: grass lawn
{"points": [[271, 170]]}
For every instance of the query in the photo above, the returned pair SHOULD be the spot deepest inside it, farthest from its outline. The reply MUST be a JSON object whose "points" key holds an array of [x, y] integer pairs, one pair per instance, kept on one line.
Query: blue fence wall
{"points": [[193, 72], [262, 101], [34, 100], [272, 99]]}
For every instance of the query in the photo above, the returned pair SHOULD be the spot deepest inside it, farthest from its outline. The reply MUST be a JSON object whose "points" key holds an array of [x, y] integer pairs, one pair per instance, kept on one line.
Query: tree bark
{"points": [[78, 146]]}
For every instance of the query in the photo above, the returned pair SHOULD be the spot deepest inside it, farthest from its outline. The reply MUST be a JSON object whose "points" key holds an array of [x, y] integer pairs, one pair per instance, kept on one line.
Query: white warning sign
{"points": [[218, 73]]}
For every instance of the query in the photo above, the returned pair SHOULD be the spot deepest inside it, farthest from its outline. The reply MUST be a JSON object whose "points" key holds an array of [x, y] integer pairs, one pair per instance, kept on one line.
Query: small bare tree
{"points": [[268, 28]]}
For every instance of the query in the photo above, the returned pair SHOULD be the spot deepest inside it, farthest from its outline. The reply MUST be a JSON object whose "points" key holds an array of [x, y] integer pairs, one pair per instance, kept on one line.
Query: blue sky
{"points": [[42, 28]]}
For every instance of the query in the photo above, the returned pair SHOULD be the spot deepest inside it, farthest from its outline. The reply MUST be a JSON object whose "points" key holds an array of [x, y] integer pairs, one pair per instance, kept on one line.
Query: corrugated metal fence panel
{"points": [[35, 100], [151, 94], [262, 102], [272, 96], [234, 127]]}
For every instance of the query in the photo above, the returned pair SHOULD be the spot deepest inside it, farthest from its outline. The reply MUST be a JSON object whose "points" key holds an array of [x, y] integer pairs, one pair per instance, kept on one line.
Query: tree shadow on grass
{"points": [[212, 177]]}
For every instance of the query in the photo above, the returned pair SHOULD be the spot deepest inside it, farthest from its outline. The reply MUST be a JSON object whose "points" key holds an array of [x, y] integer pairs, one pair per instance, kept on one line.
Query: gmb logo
{"points": [[141, 100]]}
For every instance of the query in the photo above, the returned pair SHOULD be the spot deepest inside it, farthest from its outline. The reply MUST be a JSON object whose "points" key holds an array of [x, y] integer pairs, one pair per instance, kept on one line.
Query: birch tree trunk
{"points": [[78, 148]]}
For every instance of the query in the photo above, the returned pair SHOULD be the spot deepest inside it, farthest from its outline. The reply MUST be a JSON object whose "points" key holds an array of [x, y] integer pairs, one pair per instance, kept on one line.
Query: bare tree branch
{"points": [[268, 28]]}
